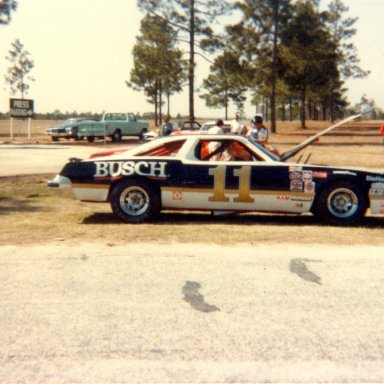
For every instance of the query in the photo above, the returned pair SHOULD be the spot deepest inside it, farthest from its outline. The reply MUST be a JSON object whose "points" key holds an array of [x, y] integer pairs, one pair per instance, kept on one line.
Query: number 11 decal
{"points": [[244, 175]]}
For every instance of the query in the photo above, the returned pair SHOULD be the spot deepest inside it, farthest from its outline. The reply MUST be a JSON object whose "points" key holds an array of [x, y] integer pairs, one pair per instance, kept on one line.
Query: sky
{"points": [[82, 50]]}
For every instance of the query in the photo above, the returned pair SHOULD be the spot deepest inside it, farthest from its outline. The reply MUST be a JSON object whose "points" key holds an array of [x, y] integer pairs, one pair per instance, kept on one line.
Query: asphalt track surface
{"points": [[93, 313], [176, 313], [26, 159]]}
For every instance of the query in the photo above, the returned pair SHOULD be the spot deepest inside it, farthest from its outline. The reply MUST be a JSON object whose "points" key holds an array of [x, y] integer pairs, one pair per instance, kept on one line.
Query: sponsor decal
{"points": [[376, 192], [296, 185], [299, 205], [309, 186], [177, 195], [294, 168], [307, 175], [282, 197], [319, 174], [344, 173], [303, 199], [377, 185], [375, 178], [295, 175], [129, 168]]}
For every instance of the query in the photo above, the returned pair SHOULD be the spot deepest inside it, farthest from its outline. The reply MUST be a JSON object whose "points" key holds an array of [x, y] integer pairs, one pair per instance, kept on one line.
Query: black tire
{"points": [[54, 138], [341, 203], [135, 201], [116, 137], [90, 139]]}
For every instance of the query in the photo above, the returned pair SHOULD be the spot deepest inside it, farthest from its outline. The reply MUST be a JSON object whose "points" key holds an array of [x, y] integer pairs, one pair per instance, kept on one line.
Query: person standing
{"points": [[167, 127], [259, 132], [382, 131], [210, 149], [236, 127], [217, 129]]}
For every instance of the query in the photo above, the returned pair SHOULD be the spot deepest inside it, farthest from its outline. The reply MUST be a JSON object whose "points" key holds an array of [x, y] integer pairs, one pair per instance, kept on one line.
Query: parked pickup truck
{"points": [[113, 125]]}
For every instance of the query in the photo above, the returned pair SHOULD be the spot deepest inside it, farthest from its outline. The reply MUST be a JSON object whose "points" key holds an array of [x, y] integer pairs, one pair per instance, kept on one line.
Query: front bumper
{"points": [[59, 182], [69, 132], [66, 135]]}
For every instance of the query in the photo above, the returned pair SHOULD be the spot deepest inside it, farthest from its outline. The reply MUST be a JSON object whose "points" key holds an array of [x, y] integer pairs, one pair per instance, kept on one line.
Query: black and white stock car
{"points": [[182, 173]]}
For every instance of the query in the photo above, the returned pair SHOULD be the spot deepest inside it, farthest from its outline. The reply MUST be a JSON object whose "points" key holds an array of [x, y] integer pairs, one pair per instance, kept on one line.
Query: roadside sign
{"points": [[21, 108]]}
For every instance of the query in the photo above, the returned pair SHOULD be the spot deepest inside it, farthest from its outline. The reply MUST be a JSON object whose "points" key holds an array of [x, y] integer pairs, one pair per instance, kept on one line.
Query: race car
{"points": [[220, 173]]}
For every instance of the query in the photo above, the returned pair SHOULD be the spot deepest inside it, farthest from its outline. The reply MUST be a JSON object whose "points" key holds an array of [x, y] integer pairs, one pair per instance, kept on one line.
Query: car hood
{"points": [[295, 150]]}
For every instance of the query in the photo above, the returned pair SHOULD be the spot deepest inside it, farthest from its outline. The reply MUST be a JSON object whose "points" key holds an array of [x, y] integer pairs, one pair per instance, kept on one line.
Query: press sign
{"points": [[21, 108]]}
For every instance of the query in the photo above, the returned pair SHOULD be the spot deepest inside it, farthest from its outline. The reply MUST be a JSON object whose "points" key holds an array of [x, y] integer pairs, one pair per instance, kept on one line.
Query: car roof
{"points": [[187, 149], [226, 122]]}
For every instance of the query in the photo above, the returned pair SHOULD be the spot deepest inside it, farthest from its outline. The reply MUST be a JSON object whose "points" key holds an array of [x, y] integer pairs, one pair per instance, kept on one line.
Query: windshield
{"points": [[72, 121], [264, 150]]}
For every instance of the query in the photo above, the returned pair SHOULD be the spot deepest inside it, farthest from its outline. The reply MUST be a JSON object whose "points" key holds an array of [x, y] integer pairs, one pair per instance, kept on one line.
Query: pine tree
{"points": [[262, 23], [158, 68], [308, 54], [193, 21], [21, 65], [225, 83], [6, 9], [342, 30]]}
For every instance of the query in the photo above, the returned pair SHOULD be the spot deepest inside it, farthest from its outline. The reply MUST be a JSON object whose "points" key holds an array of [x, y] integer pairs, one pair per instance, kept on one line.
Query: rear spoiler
{"points": [[310, 140]]}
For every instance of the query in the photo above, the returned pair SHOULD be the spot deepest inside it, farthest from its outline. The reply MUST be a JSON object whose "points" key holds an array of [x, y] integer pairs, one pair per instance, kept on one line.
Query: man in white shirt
{"points": [[214, 145], [236, 127]]}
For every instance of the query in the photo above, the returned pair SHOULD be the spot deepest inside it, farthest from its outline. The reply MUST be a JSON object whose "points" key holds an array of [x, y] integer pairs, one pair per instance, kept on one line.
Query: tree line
{"points": [[288, 55]]}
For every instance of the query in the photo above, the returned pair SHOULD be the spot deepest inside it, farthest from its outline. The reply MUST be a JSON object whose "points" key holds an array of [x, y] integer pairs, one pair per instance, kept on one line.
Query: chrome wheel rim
{"points": [[342, 203], [134, 201]]}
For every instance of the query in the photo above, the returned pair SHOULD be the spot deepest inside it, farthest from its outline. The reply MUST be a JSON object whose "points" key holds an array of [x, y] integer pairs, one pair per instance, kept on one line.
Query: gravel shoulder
{"points": [[25, 159]]}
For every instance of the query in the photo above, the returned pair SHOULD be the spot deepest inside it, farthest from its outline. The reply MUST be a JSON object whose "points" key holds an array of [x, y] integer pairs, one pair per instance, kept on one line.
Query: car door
{"points": [[132, 126], [242, 185]]}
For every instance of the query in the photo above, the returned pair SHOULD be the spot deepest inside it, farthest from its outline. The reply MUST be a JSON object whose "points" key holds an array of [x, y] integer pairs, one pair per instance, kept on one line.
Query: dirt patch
{"points": [[30, 212]]}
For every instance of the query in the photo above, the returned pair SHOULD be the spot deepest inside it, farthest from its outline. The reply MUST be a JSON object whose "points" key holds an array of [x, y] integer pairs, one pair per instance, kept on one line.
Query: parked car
{"points": [[182, 128], [113, 125], [190, 125], [209, 124], [68, 130], [150, 135], [176, 173]]}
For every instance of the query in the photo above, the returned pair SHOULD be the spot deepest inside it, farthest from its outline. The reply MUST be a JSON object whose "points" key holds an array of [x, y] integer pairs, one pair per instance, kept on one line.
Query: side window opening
{"points": [[167, 149], [223, 150]]}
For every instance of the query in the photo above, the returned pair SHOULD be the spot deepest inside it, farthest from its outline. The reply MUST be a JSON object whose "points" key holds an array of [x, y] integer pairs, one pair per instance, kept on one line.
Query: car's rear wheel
{"points": [[90, 139], [341, 203], [135, 201], [55, 138]]}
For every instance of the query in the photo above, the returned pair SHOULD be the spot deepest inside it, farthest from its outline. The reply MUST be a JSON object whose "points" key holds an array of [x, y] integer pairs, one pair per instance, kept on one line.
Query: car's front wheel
{"points": [[341, 203], [135, 201]]}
